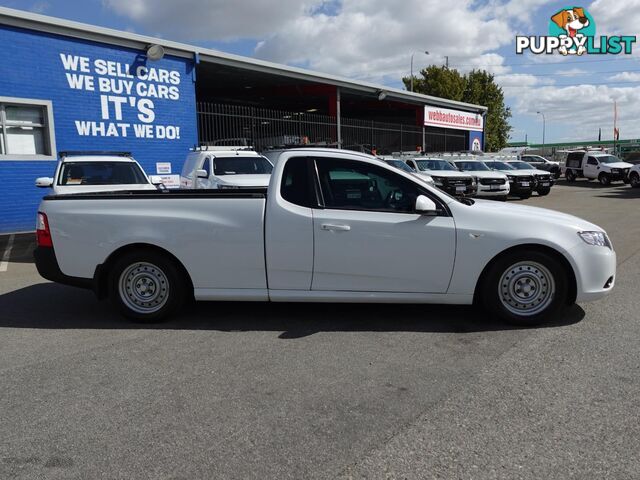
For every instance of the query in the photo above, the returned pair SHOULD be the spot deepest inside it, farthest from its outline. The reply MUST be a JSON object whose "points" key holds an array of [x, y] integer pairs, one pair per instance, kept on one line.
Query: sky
{"points": [[373, 40]]}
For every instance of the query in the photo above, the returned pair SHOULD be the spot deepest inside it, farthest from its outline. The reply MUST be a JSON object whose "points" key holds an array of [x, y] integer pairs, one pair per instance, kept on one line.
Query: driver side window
{"points": [[592, 161], [351, 185]]}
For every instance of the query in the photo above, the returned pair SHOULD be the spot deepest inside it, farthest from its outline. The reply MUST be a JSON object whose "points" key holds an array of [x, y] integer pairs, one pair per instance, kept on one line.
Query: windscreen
{"points": [[521, 166], [101, 173], [400, 164], [500, 166], [608, 159], [424, 165], [472, 166], [241, 166]]}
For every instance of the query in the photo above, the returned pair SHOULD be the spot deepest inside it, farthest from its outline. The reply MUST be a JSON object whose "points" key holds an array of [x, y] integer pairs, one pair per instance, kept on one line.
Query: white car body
{"points": [[61, 186], [262, 247], [634, 176], [593, 167], [451, 181], [200, 171], [488, 181], [396, 162]]}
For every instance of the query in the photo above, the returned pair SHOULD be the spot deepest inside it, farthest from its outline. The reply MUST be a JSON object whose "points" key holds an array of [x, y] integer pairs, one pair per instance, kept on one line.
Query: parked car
{"points": [[91, 171], [634, 176], [225, 168], [542, 163], [445, 176], [490, 183], [604, 167], [521, 183], [333, 226], [542, 180], [399, 164]]}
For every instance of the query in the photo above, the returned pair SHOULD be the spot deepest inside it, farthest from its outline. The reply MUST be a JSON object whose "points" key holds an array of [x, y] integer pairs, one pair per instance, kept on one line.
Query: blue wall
{"points": [[31, 67]]}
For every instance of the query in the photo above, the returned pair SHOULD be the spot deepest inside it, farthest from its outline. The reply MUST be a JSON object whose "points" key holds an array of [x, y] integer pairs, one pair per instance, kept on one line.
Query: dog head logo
{"points": [[572, 25]]}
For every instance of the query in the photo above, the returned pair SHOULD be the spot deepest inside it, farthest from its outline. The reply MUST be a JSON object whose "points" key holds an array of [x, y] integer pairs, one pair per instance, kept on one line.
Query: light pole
{"points": [[544, 127], [412, 54]]}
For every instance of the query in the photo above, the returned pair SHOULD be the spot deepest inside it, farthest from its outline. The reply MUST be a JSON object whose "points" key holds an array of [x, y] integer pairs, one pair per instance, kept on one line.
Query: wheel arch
{"points": [[562, 259], [101, 275]]}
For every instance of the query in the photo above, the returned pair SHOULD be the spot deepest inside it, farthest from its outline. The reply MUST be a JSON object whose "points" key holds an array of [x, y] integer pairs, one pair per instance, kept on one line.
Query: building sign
{"points": [[447, 118], [122, 88], [163, 168]]}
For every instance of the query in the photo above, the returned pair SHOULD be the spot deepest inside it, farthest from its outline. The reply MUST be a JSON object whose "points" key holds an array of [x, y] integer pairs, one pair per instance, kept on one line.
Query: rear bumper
{"points": [[48, 268]]}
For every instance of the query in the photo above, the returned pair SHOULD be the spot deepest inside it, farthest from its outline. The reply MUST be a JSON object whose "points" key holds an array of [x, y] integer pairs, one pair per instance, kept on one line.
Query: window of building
{"points": [[26, 130]]}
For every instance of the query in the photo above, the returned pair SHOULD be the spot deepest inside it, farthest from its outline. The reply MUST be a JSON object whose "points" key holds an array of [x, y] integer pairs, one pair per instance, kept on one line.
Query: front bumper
{"points": [[595, 269], [493, 190], [518, 187]]}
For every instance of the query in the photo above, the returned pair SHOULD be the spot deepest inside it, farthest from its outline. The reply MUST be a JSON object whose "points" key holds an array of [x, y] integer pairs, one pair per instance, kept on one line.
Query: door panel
{"points": [[382, 252], [369, 238]]}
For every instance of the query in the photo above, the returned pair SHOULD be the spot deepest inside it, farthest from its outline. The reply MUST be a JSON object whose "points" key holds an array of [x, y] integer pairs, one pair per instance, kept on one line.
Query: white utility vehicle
{"points": [[595, 165], [225, 167], [542, 180], [399, 164], [634, 176], [521, 182], [490, 183], [90, 171], [444, 175], [333, 226]]}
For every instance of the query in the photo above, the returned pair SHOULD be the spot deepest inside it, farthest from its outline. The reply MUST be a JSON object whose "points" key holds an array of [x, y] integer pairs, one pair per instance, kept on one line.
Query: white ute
{"points": [[596, 165], [225, 168], [491, 184], [84, 172], [333, 226]]}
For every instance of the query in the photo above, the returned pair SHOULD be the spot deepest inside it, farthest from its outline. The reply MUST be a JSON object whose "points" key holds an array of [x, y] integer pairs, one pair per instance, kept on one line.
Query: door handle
{"points": [[339, 228]]}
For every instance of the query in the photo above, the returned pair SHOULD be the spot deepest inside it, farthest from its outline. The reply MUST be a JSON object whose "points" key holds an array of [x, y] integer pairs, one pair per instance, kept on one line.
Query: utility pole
{"points": [[412, 54]]}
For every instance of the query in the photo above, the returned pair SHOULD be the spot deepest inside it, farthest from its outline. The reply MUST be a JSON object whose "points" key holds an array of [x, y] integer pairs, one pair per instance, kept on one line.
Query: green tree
{"points": [[478, 87]]}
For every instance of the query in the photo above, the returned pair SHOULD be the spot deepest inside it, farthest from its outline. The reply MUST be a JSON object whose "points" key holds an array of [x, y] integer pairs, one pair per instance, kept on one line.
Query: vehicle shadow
{"points": [[618, 193], [53, 306], [594, 184]]}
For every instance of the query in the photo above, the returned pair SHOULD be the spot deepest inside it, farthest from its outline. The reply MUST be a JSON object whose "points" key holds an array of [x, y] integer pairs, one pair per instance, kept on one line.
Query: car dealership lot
{"points": [[320, 391]]}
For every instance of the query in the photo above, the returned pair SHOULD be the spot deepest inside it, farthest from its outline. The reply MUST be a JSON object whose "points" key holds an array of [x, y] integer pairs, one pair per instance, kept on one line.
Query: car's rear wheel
{"points": [[634, 180], [604, 179], [146, 287], [525, 288]]}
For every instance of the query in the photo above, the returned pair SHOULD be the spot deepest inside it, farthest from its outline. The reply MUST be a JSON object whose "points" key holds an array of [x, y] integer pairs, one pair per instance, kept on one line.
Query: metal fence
{"points": [[220, 124]]}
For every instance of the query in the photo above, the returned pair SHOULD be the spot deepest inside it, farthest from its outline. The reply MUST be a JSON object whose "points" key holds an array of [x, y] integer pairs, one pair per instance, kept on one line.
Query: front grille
{"points": [[492, 181], [524, 179], [456, 182]]}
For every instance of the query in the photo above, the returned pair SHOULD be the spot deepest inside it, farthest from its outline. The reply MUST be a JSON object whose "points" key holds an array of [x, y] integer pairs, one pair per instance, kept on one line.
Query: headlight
{"points": [[474, 181], [599, 239], [511, 178], [437, 181]]}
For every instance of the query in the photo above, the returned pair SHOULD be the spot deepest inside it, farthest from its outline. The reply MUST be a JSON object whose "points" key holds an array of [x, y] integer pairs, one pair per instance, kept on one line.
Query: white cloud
{"points": [[577, 112], [616, 17], [626, 77], [212, 19]]}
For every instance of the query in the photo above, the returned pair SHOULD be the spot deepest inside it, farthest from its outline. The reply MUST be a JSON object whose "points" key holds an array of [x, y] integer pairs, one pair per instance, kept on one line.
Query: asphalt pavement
{"points": [[231, 390]]}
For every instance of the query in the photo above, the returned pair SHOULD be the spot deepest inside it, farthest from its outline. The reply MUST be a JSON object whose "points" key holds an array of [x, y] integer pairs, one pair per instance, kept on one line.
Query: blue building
{"points": [[70, 86]]}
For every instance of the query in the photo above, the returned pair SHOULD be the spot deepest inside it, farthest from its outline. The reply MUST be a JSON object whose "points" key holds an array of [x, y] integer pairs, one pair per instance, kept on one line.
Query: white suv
{"points": [[490, 183], [83, 172], [225, 167]]}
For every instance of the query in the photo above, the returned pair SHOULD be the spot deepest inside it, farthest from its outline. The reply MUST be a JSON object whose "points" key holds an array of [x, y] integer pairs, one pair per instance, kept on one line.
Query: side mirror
{"points": [[202, 173], [44, 182], [425, 206]]}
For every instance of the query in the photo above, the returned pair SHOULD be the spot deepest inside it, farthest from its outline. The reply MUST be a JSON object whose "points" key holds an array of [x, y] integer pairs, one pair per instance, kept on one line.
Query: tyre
{"points": [[604, 179], [634, 179], [525, 288], [502, 198], [146, 286], [524, 196], [570, 176], [556, 174], [544, 191]]}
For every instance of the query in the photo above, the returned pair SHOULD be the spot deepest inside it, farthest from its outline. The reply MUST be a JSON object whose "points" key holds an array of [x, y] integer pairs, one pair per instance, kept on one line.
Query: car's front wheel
{"points": [[604, 179], [525, 288], [544, 191], [634, 179], [146, 286], [570, 176]]}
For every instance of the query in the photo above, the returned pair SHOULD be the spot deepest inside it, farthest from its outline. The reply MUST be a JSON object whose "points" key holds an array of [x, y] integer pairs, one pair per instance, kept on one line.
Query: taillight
{"points": [[43, 234]]}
